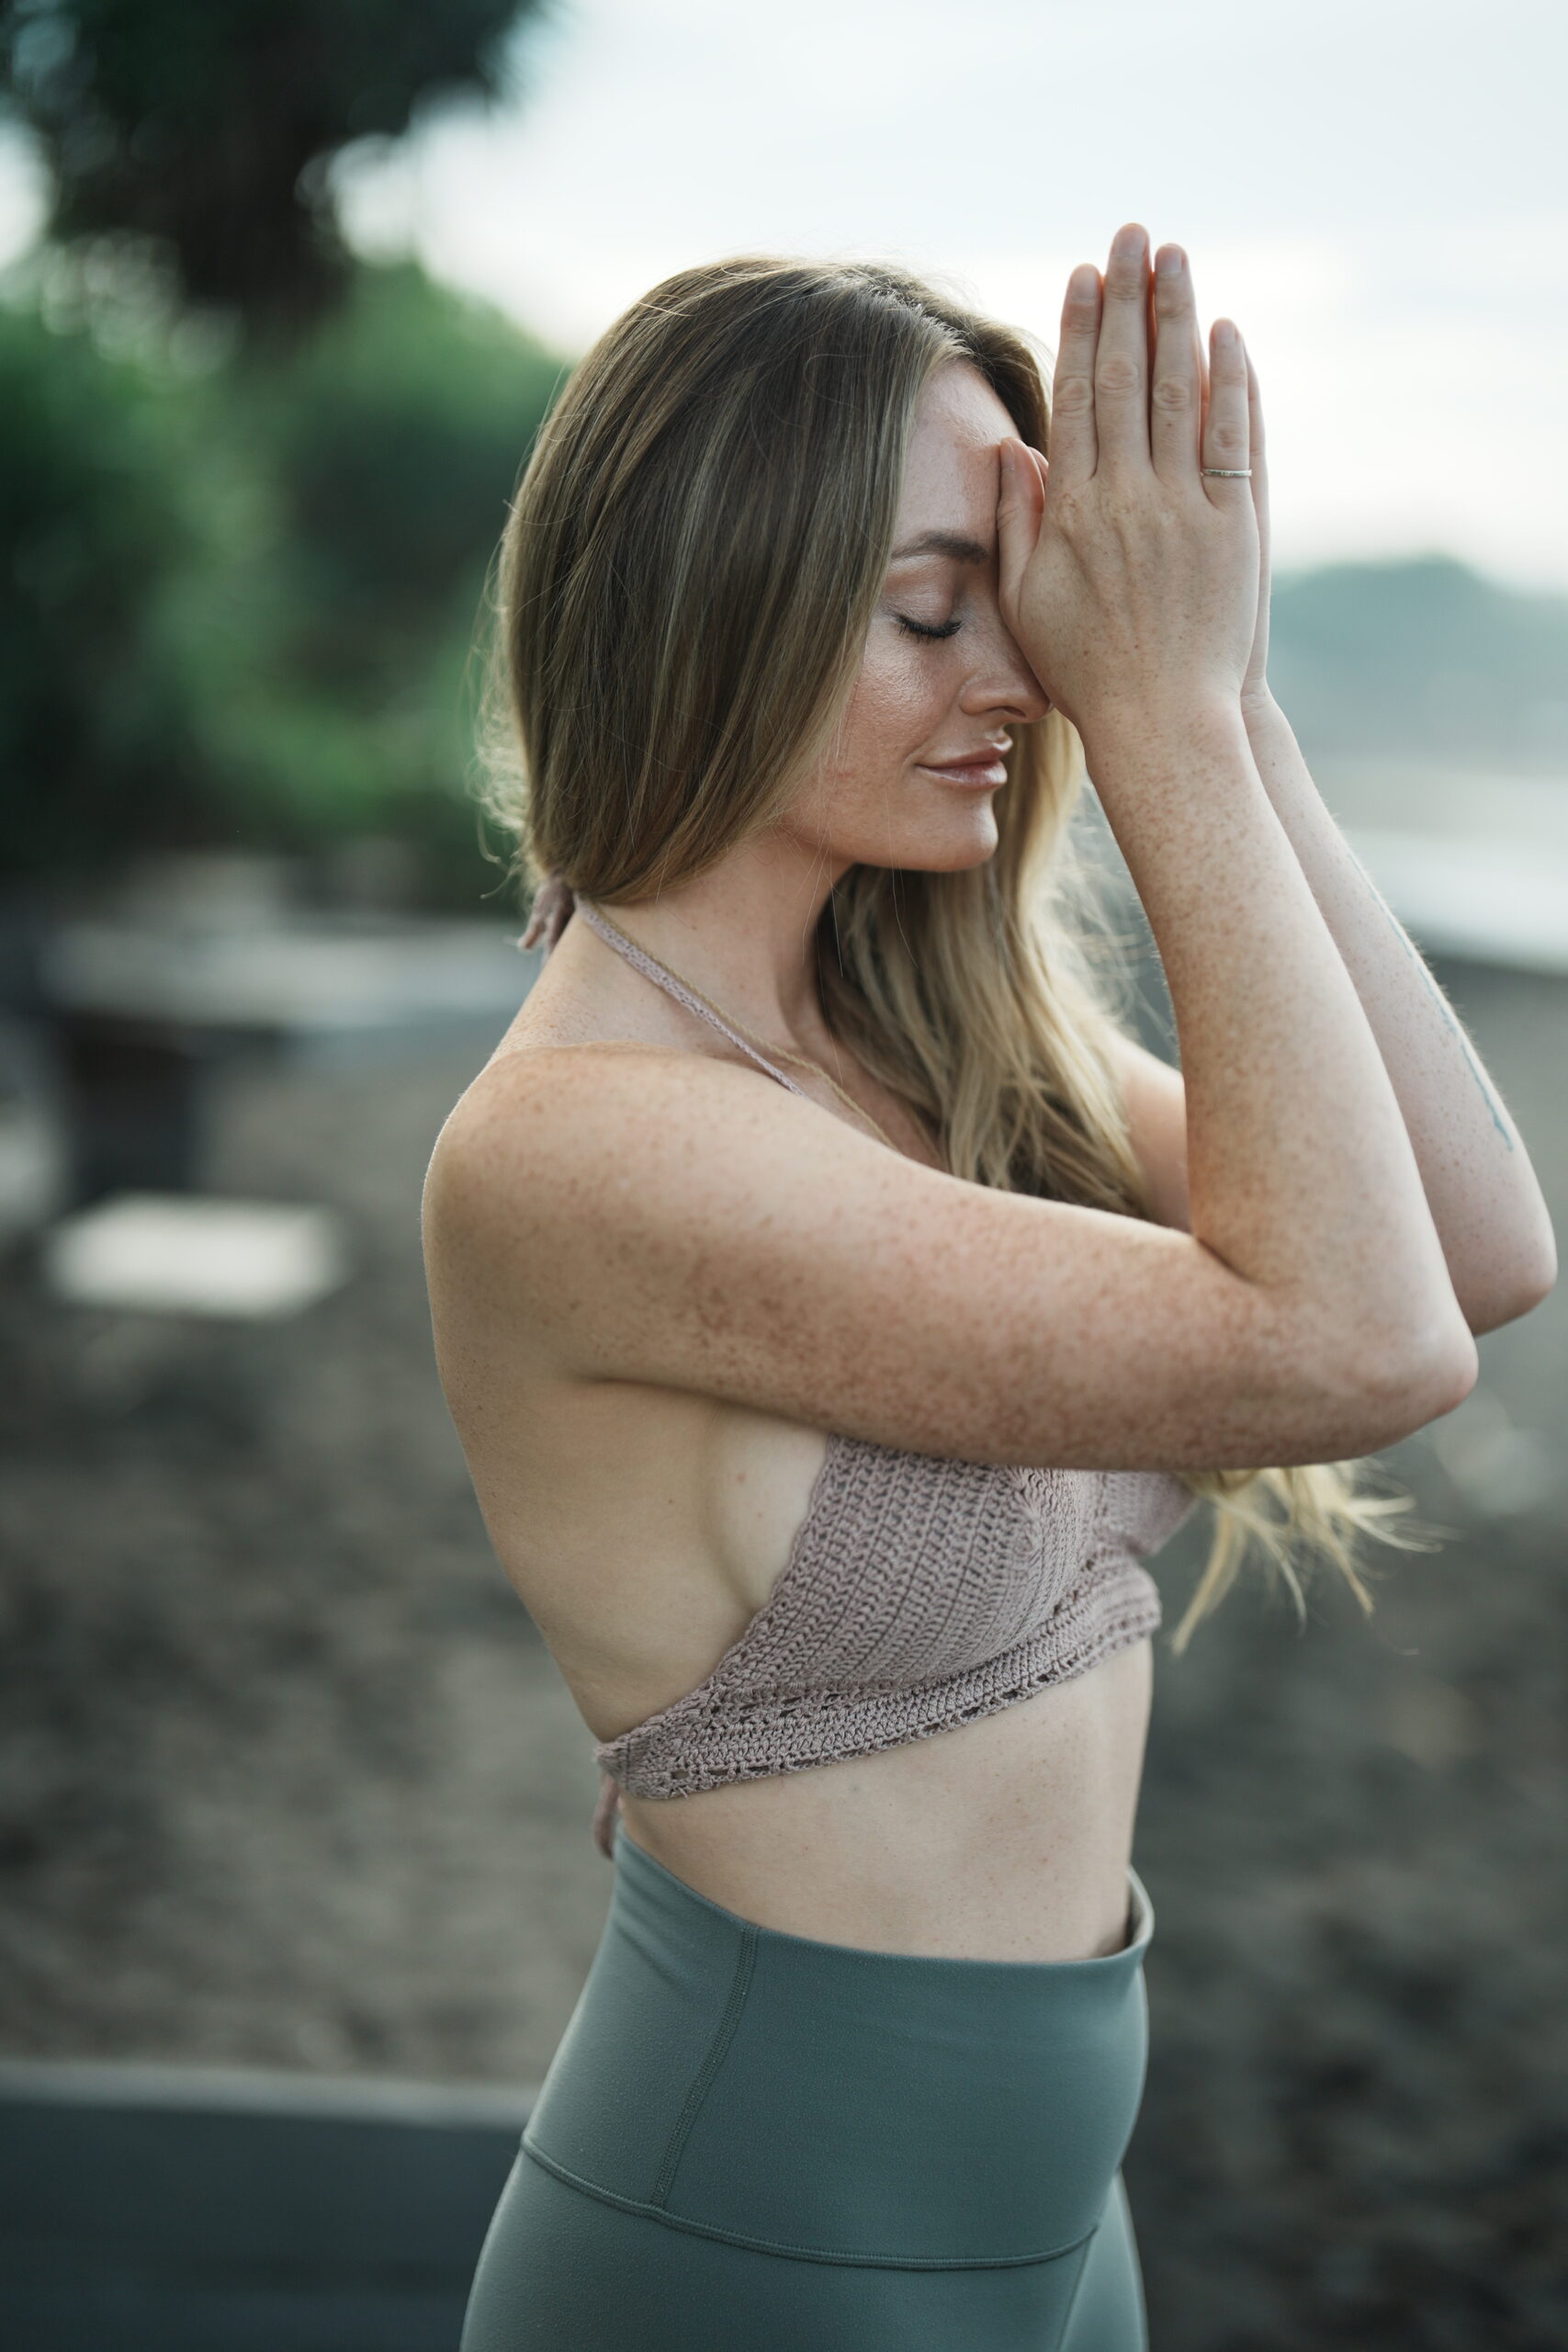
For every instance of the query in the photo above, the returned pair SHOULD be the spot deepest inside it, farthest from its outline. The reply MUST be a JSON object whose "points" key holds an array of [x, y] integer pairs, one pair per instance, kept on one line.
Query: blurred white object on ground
{"points": [[172, 1253]]}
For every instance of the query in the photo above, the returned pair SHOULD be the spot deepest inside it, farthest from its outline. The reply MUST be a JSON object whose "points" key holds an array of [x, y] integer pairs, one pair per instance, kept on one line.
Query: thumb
{"points": [[1019, 505]]}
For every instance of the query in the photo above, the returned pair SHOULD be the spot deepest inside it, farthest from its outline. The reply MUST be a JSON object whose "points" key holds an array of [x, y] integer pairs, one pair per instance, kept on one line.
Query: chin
{"points": [[956, 849], [967, 837]]}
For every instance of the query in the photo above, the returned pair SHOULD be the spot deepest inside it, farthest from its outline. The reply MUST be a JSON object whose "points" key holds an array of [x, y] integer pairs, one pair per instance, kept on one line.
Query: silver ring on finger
{"points": [[1228, 473]]}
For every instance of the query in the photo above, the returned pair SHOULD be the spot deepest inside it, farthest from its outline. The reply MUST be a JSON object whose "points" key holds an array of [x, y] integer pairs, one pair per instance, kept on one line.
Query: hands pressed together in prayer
{"points": [[1134, 561]]}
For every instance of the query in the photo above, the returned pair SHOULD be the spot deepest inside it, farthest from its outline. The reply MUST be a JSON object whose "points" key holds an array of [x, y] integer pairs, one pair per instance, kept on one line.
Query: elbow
{"points": [[1506, 1307], [1419, 1380], [1371, 1389], [1544, 1281], [1527, 1284], [1450, 1375], [1533, 1280]]}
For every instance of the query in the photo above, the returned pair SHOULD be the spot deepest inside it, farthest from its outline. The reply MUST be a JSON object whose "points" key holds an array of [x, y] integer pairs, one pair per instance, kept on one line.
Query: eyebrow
{"points": [[951, 543]]}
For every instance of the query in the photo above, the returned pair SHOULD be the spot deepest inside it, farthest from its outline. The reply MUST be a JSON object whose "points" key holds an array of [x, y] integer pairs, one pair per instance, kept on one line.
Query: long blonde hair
{"points": [[679, 600]]}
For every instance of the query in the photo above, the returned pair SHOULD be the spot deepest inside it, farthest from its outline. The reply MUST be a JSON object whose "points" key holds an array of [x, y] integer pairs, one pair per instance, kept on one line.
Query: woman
{"points": [[836, 1307]]}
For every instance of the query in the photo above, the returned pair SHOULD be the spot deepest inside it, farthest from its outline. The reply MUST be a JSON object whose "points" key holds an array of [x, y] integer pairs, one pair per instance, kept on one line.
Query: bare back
{"points": [[645, 1526]]}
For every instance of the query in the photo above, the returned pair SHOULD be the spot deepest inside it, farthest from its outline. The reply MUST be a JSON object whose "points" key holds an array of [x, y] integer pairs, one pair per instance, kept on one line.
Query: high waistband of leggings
{"points": [[838, 2103]]}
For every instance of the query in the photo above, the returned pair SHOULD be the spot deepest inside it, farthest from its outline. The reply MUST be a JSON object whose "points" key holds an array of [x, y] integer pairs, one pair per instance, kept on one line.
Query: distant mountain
{"points": [[1423, 660]]}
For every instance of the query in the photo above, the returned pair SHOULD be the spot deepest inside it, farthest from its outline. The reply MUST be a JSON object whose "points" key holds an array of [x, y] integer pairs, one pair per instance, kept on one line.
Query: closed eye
{"points": [[918, 628]]}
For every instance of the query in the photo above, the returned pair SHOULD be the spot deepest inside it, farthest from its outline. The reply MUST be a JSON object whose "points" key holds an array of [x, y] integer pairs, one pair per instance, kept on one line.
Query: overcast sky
{"points": [[1374, 189]]}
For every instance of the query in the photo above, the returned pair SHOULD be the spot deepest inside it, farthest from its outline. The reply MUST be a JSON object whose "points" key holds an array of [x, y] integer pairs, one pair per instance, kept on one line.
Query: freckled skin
{"points": [[919, 698], [637, 1600], [641, 1349]]}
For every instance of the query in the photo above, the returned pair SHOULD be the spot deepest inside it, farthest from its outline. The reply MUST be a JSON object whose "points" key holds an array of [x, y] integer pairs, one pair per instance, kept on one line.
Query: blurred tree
{"points": [[241, 600], [101, 514], [395, 437], [392, 442], [209, 129]]}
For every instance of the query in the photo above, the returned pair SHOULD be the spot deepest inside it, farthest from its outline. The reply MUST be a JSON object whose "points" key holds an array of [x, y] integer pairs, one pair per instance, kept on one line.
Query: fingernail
{"points": [[1169, 260], [1083, 284], [1224, 333], [1009, 462], [1129, 242]]}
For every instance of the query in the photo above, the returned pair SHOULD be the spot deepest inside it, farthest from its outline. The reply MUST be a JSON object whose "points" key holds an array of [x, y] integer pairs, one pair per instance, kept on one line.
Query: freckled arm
{"points": [[1485, 1202]]}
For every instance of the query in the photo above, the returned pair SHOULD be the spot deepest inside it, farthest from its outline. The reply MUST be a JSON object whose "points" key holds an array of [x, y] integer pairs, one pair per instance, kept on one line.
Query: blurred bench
{"points": [[128, 1011], [161, 2209]]}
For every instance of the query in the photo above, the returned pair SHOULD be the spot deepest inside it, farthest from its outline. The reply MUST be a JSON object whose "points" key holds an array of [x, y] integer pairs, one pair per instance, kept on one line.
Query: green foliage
{"points": [[391, 444], [98, 734], [248, 558], [209, 129], [395, 439], [244, 603]]}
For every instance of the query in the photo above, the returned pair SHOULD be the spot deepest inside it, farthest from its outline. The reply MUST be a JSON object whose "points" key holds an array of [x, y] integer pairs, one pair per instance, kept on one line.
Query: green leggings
{"points": [[748, 2139]]}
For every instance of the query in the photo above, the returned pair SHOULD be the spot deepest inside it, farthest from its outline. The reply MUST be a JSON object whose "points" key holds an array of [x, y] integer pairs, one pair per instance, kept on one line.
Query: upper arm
{"points": [[1154, 1096], [666, 1217]]}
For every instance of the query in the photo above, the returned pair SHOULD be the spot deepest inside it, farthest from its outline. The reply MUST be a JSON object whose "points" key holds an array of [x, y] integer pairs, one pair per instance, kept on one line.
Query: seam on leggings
{"points": [[800, 2253], [710, 2065], [1084, 2252]]}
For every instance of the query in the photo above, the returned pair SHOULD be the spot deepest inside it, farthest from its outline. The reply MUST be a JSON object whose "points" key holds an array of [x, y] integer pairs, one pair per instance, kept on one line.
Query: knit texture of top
{"points": [[920, 1592]]}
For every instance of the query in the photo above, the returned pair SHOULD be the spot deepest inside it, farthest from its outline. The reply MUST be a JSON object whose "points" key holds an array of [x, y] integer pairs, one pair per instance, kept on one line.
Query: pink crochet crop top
{"points": [[919, 1592]]}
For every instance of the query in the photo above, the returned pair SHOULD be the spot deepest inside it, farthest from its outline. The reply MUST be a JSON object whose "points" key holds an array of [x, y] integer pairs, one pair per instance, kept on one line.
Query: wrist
{"points": [[1270, 735], [1258, 708], [1157, 725]]}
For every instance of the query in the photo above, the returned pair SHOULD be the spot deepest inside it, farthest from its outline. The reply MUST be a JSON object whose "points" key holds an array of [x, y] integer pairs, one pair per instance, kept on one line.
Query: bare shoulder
{"points": [[572, 1126], [659, 1216], [583, 1176]]}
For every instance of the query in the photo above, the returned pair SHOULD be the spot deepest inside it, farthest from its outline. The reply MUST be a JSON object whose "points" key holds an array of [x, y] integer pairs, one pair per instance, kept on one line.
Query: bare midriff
{"points": [[644, 1529], [1004, 1838]]}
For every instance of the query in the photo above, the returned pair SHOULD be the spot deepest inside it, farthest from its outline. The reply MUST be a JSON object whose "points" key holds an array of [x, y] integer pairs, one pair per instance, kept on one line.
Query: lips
{"points": [[985, 768]]}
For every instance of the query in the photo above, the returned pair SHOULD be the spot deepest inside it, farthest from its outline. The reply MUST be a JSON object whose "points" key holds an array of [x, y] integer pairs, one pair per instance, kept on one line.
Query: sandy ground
{"points": [[289, 1779]]}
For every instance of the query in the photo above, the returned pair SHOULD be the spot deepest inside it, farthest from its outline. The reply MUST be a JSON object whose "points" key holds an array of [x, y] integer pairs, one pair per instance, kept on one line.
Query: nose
{"points": [[1004, 687]]}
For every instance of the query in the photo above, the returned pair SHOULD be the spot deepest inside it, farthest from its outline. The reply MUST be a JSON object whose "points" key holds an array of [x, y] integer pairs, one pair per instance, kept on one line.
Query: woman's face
{"points": [[909, 778]]}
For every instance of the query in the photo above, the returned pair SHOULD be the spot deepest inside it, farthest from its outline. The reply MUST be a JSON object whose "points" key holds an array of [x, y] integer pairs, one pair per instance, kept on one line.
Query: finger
{"points": [[1070, 435], [1227, 440], [1259, 459], [1021, 503], [1176, 397], [1258, 462], [1121, 358]]}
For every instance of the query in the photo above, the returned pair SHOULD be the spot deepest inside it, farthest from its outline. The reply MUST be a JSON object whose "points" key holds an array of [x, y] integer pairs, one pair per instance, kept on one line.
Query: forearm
{"points": [[1480, 1189], [1300, 1170]]}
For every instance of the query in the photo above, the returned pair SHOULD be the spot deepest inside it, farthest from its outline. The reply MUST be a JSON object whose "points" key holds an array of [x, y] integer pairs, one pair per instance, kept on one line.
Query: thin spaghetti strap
{"points": [[677, 989]]}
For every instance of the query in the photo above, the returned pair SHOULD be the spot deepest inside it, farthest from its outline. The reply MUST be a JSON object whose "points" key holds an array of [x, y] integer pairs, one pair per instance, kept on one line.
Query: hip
{"points": [[817, 2138]]}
